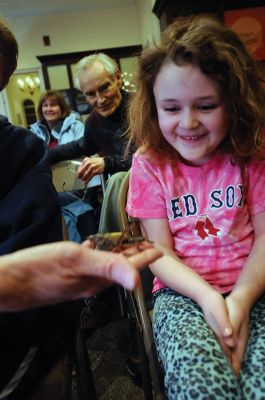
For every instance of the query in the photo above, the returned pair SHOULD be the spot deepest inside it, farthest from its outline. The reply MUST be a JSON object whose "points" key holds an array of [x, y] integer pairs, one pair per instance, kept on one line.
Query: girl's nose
{"points": [[188, 119]]}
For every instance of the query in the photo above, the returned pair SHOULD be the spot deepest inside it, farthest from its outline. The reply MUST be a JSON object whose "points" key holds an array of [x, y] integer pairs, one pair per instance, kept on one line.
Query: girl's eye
{"points": [[207, 107], [171, 109]]}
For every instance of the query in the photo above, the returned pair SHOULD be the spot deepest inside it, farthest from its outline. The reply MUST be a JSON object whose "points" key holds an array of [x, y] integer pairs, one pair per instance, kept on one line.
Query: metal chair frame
{"points": [[152, 374]]}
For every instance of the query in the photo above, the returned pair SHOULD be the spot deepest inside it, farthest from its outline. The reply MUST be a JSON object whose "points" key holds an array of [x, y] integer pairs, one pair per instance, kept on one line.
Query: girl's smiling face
{"points": [[191, 112]]}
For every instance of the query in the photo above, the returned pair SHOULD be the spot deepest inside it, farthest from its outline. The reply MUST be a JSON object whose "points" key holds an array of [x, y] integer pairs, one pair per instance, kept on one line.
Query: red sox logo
{"points": [[204, 227]]}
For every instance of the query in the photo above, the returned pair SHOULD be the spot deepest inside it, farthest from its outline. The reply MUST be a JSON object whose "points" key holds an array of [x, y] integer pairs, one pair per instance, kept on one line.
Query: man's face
{"points": [[101, 90]]}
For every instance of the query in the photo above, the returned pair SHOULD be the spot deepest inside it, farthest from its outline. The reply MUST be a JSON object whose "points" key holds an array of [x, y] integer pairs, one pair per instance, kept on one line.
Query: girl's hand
{"points": [[239, 318], [216, 314]]}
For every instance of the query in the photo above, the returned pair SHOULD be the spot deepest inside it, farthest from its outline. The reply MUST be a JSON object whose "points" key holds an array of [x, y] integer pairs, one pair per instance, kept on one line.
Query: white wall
{"points": [[79, 31], [71, 32]]}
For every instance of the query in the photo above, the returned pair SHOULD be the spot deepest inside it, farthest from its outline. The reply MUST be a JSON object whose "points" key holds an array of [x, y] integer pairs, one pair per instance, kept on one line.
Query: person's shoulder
{"points": [[38, 128], [92, 120], [73, 119], [149, 157], [18, 137], [20, 152], [257, 163], [7, 129], [74, 116]]}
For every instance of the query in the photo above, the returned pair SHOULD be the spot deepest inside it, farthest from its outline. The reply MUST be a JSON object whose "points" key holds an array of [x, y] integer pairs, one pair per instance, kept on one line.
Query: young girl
{"points": [[56, 124], [197, 186]]}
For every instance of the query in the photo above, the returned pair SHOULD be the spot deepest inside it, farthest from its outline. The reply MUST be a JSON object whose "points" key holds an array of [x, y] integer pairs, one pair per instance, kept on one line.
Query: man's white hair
{"points": [[108, 63]]}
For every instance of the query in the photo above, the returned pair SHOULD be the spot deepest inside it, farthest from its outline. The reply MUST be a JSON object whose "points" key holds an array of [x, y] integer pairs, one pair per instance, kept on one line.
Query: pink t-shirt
{"points": [[205, 208]]}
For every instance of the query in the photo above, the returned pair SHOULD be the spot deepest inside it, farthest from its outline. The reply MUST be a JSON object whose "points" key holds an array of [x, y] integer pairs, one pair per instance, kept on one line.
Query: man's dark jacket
{"points": [[103, 135], [29, 215], [29, 206]]}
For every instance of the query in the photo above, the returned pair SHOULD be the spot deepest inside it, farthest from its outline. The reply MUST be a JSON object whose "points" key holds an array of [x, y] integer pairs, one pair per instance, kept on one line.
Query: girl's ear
{"points": [[118, 78]]}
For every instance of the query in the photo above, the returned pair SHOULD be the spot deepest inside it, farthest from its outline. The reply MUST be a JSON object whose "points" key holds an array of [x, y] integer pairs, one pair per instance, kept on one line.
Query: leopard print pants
{"points": [[194, 364]]}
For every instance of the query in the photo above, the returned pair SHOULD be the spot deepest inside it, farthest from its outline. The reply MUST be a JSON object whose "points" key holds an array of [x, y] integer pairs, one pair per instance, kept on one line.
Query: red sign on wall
{"points": [[249, 23]]}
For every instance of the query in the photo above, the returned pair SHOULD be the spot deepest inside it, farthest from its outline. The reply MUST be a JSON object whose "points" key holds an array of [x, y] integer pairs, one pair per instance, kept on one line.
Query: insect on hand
{"points": [[116, 241]]}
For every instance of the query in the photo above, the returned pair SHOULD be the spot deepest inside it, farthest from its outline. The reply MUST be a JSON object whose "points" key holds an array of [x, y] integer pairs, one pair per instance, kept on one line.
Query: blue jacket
{"points": [[71, 129]]}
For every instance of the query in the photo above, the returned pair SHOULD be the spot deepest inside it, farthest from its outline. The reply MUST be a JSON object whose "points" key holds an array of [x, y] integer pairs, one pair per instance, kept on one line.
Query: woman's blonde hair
{"points": [[221, 55]]}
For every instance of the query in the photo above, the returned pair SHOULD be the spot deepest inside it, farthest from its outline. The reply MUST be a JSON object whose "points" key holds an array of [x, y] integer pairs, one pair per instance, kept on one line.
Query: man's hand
{"points": [[64, 271], [90, 167]]}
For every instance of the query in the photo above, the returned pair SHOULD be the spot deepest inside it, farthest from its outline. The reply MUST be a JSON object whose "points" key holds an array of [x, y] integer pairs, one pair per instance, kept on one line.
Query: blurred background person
{"points": [[57, 124], [99, 78]]}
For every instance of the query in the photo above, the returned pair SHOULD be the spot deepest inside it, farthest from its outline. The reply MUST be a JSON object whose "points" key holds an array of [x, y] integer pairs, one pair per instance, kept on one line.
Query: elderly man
{"points": [[99, 79]]}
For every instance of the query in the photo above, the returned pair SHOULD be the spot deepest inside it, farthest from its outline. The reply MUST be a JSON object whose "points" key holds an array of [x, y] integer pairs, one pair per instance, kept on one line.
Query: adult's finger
{"points": [[126, 270], [136, 248], [88, 244], [145, 257]]}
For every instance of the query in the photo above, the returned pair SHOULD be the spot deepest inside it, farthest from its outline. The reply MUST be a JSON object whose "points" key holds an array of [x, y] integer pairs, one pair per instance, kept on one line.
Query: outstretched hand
{"points": [[64, 271]]}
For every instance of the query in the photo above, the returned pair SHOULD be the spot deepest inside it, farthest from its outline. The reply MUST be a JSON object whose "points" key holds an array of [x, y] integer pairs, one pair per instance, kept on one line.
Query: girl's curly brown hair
{"points": [[221, 55]]}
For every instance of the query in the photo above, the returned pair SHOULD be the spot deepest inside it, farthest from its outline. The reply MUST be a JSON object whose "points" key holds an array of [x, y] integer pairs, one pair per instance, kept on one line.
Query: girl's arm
{"points": [[170, 269], [182, 279], [249, 287], [251, 282]]}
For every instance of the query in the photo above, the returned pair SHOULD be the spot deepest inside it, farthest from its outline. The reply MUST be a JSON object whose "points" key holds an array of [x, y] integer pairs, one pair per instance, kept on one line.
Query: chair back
{"points": [[132, 227], [65, 179]]}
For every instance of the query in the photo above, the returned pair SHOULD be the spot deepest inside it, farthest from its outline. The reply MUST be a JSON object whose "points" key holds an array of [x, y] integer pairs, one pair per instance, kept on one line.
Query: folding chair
{"points": [[57, 382], [65, 179], [151, 371], [82, 212]]}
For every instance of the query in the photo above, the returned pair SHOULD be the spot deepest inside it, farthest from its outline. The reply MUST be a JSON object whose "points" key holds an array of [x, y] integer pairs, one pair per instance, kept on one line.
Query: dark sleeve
{"points": [[68, 151], [90, 144], [115, 163], [30, 212]]}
